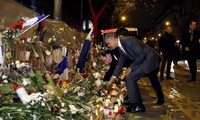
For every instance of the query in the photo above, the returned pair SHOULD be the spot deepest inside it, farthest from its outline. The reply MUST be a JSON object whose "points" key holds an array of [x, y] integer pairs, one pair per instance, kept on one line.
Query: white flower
{"points": [[17, 62], [62, 104], [60, 118], [25, 81], [43, 104], [39, 98], [81, 94], [94, 64], [77, 89], [4, 76], [12, 63], [23, 64], [34, 37], [5, 81], [32, 102], [47, 52], [18, 66], [73, 109], [63, 110], [54, 39], [49, 40], [98, 82], [100, 99], [28, 106], [96, 75]]}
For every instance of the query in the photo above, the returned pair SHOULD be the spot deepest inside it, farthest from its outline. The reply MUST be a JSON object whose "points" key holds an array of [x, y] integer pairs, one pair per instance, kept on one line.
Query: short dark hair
{"points": [[191, 21], [105, 52], [110, 35], [122, 31]]}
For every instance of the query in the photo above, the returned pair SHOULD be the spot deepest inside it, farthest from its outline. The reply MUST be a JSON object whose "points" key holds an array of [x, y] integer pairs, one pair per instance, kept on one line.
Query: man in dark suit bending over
{"points": [[145, 62]]}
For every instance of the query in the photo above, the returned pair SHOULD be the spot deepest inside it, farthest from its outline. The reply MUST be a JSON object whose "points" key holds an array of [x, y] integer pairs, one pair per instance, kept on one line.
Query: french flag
{"points": [[85, 51], [62, 66], [29, 23]]}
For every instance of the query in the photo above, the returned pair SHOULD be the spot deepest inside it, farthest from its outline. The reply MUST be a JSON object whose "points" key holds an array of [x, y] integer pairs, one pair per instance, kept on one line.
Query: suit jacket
{"points": [[192, 44], [144, 59], [115, 57]]}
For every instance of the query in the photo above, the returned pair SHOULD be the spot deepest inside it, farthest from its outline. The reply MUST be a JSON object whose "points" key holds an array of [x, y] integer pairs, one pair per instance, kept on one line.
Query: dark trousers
{"points": [[192, 62], [168, 60], [133, 89]]}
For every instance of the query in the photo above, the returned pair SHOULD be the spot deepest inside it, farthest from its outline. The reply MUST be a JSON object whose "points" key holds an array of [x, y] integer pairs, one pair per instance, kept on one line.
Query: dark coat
{"points": [[192, 44], [144, 59], [167, 45], [115, 56]]}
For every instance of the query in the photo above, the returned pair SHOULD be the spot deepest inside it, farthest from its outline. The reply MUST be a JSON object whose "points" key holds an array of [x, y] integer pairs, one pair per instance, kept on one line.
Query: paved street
{"points": [[182, 98]]}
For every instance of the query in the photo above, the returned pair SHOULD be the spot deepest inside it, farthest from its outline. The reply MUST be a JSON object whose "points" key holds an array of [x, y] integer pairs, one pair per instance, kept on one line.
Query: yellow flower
{"points": [[65, 85]]}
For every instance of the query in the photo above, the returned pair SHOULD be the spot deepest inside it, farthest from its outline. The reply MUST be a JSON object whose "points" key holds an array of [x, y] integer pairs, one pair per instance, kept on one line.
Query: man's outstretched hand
{"points": [[110, 82]]}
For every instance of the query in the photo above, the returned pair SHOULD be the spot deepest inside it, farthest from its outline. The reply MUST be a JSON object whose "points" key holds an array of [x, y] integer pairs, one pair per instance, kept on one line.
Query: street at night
{"points": [[182, 99]]}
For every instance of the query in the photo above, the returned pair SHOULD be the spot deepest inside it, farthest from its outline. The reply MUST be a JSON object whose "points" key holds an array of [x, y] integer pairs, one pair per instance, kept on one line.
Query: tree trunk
{"points": [[95, 22], [57, 9]]}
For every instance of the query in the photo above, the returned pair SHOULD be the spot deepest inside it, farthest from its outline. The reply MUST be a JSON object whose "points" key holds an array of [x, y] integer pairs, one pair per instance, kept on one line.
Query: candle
{"points": [[21, 92]]}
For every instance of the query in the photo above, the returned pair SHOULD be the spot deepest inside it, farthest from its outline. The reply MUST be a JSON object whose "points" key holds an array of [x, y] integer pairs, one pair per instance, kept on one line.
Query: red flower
{"points": [[121, 110], [84, 75]]}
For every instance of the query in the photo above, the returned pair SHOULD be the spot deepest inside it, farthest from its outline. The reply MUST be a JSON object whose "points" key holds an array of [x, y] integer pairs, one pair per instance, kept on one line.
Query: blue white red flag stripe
{"points": [[83, 55], [62, 66]]}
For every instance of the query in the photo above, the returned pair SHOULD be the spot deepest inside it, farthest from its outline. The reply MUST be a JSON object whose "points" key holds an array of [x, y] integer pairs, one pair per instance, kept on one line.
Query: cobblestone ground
{"points": [[182, 98]]}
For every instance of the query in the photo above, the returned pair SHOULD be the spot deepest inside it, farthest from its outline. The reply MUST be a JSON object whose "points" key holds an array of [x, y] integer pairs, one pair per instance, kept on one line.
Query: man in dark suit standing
{"points": [[190, 42], [145, 62], [167, 47]]}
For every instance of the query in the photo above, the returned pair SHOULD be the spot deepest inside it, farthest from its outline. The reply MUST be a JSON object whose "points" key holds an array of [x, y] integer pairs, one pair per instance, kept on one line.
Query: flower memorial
{"points": [[36, 82]]}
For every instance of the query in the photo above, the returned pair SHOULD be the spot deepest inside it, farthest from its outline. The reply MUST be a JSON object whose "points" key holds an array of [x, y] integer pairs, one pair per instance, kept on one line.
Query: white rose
{"points": [[17, 62], [23, 64], [18, 66], [5, 81], [4, 77], [98, 82], [43, 104], [73, 109]]}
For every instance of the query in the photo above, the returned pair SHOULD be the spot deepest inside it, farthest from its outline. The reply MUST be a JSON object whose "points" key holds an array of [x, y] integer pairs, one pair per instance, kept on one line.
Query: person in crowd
{"points": [[145, 62], [190, 42], [177, 53], [109, 57], [166, 47]]}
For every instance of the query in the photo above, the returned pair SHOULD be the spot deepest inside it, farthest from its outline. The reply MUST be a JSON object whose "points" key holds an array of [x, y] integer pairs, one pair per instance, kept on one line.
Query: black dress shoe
{"points": [[161, 102], [135, 108], [191, 81]]}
